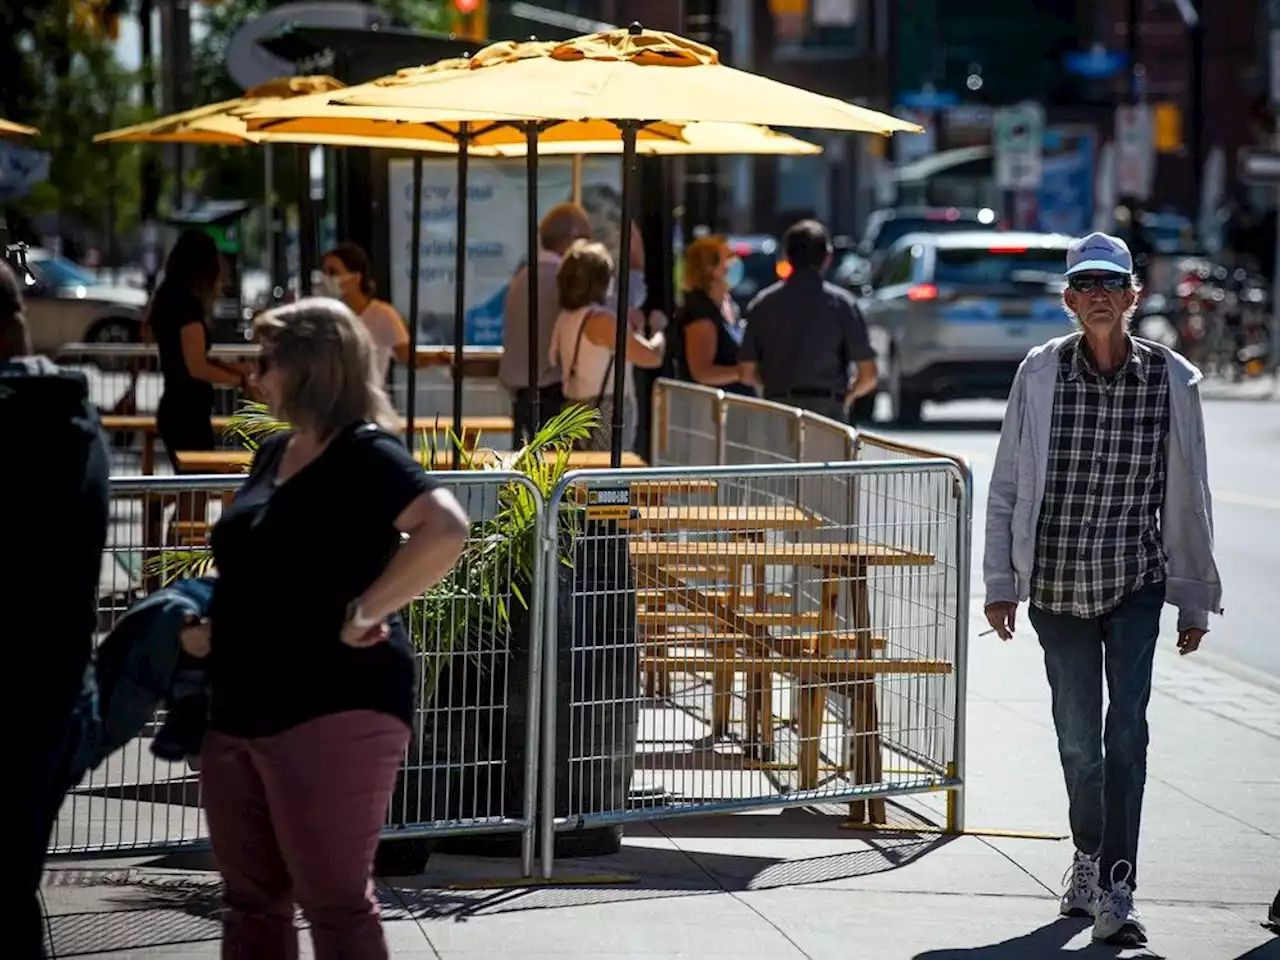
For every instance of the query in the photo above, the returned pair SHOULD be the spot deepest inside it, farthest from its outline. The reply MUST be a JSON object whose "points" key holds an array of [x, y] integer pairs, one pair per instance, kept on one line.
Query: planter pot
{"points": [[455, 770]]}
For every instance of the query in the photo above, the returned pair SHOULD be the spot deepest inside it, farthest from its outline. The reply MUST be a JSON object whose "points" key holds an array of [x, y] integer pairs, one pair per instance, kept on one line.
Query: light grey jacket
{"points": [[1018, 484]]}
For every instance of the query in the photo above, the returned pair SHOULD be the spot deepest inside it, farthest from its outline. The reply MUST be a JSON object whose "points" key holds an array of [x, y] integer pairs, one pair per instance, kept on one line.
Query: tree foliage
{"points": [[236, 173], [59, 74]]}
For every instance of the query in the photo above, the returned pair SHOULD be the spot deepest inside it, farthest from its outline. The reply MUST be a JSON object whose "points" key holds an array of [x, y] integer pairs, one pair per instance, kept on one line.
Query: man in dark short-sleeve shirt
{"points": [[806, 342]]}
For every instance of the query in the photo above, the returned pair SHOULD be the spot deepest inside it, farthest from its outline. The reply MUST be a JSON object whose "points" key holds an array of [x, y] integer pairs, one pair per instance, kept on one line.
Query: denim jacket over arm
{"points": [[1018, 486]]}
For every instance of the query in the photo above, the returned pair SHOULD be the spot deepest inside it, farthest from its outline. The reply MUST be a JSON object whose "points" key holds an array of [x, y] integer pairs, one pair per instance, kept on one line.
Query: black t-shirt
{"points": [[290, 559], [184, 395], [699, 306]]}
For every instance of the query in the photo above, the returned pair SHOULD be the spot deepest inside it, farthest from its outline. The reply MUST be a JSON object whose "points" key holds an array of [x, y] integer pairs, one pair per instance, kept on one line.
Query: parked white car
{"points": [[67, 304]]}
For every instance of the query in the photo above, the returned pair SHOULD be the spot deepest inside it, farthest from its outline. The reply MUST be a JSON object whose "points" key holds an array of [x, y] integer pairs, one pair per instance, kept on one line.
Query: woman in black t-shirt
{"points": [[311, 673], [709, 327], [176, 321]]}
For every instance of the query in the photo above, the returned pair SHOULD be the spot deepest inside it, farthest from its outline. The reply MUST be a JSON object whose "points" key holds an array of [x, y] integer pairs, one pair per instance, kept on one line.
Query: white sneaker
{"points": [[1118, 921], [1083, 890]]}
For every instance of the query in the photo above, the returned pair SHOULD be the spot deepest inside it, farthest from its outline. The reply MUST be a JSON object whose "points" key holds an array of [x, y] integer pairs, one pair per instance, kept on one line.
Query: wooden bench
{"points": [[238, 461], [473, 429]]}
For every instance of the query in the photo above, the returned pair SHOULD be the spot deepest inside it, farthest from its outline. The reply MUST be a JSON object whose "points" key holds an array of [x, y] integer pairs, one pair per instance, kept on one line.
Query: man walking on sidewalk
{"points": [[1099, 513]]}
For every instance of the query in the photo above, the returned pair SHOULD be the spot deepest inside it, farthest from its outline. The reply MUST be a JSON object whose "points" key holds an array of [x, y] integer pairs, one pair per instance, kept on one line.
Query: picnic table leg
{"points": [[864, 714], [813, 705]]}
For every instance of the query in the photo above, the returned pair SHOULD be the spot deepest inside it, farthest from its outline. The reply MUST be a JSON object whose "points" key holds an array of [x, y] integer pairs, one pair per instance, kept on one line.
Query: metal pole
{"points": [[575, 187], [1196, 126], [306, 222], [531, 271], [629, 128], [269, 208], [1131, 42], [415, 275], [460, 286]]}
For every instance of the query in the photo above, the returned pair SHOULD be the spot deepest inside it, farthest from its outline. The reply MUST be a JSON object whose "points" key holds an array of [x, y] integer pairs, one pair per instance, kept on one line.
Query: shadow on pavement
{"points": [[1050, 940], [1264, 951], [457, 889]]}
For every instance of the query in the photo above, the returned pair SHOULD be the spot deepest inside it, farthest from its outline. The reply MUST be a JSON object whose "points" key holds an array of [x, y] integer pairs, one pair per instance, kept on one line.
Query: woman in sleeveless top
{"points": [[584, 336], [710, 328]]}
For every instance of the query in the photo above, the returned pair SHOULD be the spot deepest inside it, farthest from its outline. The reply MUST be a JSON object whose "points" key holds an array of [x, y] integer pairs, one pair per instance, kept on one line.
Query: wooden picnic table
{"points": [[473, 427], [709, 517], [819, 664], [238, 461]]}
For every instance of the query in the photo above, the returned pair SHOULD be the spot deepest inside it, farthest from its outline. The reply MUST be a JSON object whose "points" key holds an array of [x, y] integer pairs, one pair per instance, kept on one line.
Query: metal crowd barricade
{"points": [[687, 426], [125, 377], [708, 657], [472, 765]]}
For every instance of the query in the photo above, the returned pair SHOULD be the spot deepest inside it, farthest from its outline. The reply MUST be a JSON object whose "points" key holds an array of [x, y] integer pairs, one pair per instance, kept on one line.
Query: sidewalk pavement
{"points": [[796, 885]]}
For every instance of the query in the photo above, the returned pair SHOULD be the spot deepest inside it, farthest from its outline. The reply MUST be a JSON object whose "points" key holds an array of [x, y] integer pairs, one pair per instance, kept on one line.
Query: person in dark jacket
{"points": [[55, 497]]}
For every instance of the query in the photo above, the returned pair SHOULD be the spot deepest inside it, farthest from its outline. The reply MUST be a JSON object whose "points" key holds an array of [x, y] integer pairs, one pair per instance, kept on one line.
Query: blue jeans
{"points": [[1104, 787]]}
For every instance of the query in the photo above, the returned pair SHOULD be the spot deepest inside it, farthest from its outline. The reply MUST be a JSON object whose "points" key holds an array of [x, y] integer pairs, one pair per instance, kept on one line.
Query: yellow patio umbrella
{"points": [[316, 118], [223, 123], [631, 78], [10, 129]]}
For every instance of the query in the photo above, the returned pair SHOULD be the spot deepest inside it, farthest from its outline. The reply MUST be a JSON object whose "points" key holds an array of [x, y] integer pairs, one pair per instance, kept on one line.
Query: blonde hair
{"points": [[584, 275], [701, 259], [326, 361]]}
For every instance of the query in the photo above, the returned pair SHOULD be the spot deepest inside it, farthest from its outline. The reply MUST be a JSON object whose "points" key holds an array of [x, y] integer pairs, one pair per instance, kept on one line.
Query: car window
{"points": [[996, 266], [897, 228], [897, 269], [59, 272]]}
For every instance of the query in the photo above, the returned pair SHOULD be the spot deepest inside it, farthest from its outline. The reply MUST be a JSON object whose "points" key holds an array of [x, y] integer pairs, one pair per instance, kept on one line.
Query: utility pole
{"points": [[701, 186], [150, 192]]}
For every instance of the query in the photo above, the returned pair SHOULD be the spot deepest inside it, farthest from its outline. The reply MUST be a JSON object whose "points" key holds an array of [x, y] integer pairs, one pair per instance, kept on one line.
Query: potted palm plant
{"points": [[473, 635]]}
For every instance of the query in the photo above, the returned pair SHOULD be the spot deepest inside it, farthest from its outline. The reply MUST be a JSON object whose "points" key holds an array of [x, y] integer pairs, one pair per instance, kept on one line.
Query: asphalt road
{"points": [[1243, 439]]}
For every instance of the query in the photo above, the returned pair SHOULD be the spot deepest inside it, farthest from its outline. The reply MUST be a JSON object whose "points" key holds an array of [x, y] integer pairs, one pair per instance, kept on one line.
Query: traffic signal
{"points": [[471, 20]]}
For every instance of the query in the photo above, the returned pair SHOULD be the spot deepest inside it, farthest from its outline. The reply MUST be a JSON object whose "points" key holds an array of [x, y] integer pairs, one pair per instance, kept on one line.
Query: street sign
{"points": [[1259, 167], [928, 99], [1135, 150], [1097, 63], [1019, 140]]}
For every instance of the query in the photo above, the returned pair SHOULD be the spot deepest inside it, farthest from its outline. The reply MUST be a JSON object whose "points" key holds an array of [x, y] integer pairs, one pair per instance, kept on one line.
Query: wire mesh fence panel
{"points": [[471, 764], [137, 800], [126, 383], [710, 656], [686, 424], [757, 431]]}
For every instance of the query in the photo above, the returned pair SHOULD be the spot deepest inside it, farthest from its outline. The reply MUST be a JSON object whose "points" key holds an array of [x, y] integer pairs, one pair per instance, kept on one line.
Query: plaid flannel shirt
{"points": [[1098, 537]]}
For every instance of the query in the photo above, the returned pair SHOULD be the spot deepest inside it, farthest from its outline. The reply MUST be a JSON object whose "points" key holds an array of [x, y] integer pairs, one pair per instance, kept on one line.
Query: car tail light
{"points": [[1007, 250], [923, 291], [742, 250], [783, 269]]}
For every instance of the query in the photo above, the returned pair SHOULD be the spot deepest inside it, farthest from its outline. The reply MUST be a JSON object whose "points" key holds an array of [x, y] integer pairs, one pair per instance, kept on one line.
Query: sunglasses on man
{"points": [[1110, 282]]}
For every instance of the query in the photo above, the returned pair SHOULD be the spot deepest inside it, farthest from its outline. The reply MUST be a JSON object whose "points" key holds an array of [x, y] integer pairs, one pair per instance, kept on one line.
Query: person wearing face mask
{"points": [[711, 329], [348, 276]]}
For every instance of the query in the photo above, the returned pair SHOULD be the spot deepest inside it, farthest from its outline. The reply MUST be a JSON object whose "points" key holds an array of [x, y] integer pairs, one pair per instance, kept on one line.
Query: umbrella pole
{"points": [[460, 287], [624, 289], [415, 274], [531, 214], [575, 188]]}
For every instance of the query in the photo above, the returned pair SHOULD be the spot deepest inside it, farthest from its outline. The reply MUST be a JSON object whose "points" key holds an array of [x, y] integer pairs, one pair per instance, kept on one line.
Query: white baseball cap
{"points": [[1099, 251]]}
